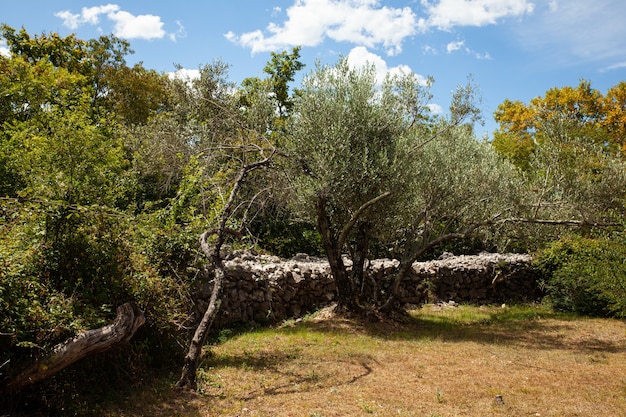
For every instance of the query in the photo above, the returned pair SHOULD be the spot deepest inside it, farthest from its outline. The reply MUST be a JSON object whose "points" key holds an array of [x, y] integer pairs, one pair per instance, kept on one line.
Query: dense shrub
{"points": [[585, 275], [286, 238], [62, 274]]}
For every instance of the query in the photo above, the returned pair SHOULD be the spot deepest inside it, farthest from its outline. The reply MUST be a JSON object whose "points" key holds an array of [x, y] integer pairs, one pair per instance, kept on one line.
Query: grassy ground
{"points": [[463, 361]]}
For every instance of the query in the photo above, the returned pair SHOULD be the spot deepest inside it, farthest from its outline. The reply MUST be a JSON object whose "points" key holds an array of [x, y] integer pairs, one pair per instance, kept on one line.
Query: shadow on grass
{"points": [[291, 372], [530, 327], [155, 398], [258, 367]]}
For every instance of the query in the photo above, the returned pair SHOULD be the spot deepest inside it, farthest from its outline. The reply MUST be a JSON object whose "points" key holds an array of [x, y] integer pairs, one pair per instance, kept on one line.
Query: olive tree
{"points": [[456, 187], [373, 163], [575, 178]]}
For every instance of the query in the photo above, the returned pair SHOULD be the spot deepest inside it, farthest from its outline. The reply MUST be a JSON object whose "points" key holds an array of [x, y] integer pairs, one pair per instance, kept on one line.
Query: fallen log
{"points": [[128, 319]]}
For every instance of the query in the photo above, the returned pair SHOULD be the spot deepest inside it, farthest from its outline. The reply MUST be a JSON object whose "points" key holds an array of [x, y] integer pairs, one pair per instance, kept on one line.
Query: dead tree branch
{"points": [[128, 319]]}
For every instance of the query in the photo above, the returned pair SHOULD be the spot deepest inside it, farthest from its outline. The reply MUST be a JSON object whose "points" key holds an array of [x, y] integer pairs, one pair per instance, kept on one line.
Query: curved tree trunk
{"points": [[190, 365], [129, 318]]}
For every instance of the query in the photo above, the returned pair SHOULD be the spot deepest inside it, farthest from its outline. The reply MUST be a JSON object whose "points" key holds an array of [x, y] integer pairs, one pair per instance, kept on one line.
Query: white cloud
{"points": [[360, 56], [460, 45], [126, 25], [180, 33], [455, 46], [446, 14], [310, 22], [430, 50], [435, 108], [137, 27], [619, 65], [370, 24], [91, 14], [184, 74], [4, 48]]}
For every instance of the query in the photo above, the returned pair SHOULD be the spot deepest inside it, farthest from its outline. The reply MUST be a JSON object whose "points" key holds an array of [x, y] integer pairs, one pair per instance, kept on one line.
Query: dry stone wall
{"points": [[264, 288]]}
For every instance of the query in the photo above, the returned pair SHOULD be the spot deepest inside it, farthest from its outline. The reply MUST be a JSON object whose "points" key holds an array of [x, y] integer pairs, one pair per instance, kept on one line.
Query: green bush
{"points": [[285, 238], [60, 275], [585, 275]]}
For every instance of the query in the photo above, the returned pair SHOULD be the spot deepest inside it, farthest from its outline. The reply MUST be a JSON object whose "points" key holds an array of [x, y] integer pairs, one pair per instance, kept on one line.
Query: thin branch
{"points": [[459, 120], [581, 223], [348, 227]]}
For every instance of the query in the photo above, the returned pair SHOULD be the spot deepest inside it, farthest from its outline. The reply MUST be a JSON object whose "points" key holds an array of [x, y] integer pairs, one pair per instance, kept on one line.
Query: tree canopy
{"points": [[586, 111], [375, 166], [570, 143]]}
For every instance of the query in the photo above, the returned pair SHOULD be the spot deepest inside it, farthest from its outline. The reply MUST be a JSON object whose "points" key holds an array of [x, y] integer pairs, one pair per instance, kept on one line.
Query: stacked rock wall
{"points": [[484, 278], [263, 288]]}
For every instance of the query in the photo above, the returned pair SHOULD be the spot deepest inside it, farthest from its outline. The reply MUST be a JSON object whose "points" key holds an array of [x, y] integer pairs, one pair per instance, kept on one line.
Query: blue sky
{"points": [[514, 49]]}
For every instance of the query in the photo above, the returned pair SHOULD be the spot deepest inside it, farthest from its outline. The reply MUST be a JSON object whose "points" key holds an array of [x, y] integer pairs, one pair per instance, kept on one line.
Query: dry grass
{"points": [[441, 362]]}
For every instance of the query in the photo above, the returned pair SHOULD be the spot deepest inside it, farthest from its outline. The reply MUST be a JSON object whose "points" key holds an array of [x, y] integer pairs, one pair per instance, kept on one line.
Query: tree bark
{"points": [[346, 293], [359, 257], [190, 365], [129, 318]]}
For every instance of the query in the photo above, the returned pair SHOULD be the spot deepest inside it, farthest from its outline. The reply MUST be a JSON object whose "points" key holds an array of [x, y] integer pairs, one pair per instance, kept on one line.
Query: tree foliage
{"points": [[585, 275], [581, 109], [570, 144], [373, 164], [70, 252]]}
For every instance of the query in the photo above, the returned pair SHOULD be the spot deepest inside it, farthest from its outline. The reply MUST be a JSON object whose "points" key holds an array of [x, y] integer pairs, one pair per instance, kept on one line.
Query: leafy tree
{"points": [[268, 104], [66, 182], [570, 146], [574, 177], [570, 143], [344, 142], [132, 93], [374, 165], [136, 94], [598, 118], [585, 275], [229, 145], [281, 70], [614, 114]]}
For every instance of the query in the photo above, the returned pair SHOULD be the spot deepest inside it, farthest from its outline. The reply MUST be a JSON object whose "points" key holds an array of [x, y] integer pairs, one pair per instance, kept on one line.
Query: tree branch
{"points": [[580, 223], [188, 374], [355, 217], [128, 319]]}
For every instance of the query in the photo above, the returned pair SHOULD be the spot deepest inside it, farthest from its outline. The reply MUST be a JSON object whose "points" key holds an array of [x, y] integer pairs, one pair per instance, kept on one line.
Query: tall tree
{"points": [[345, 142], [65, 183], [374, 164], [282, 69], [570, 143], [227, 145]]}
